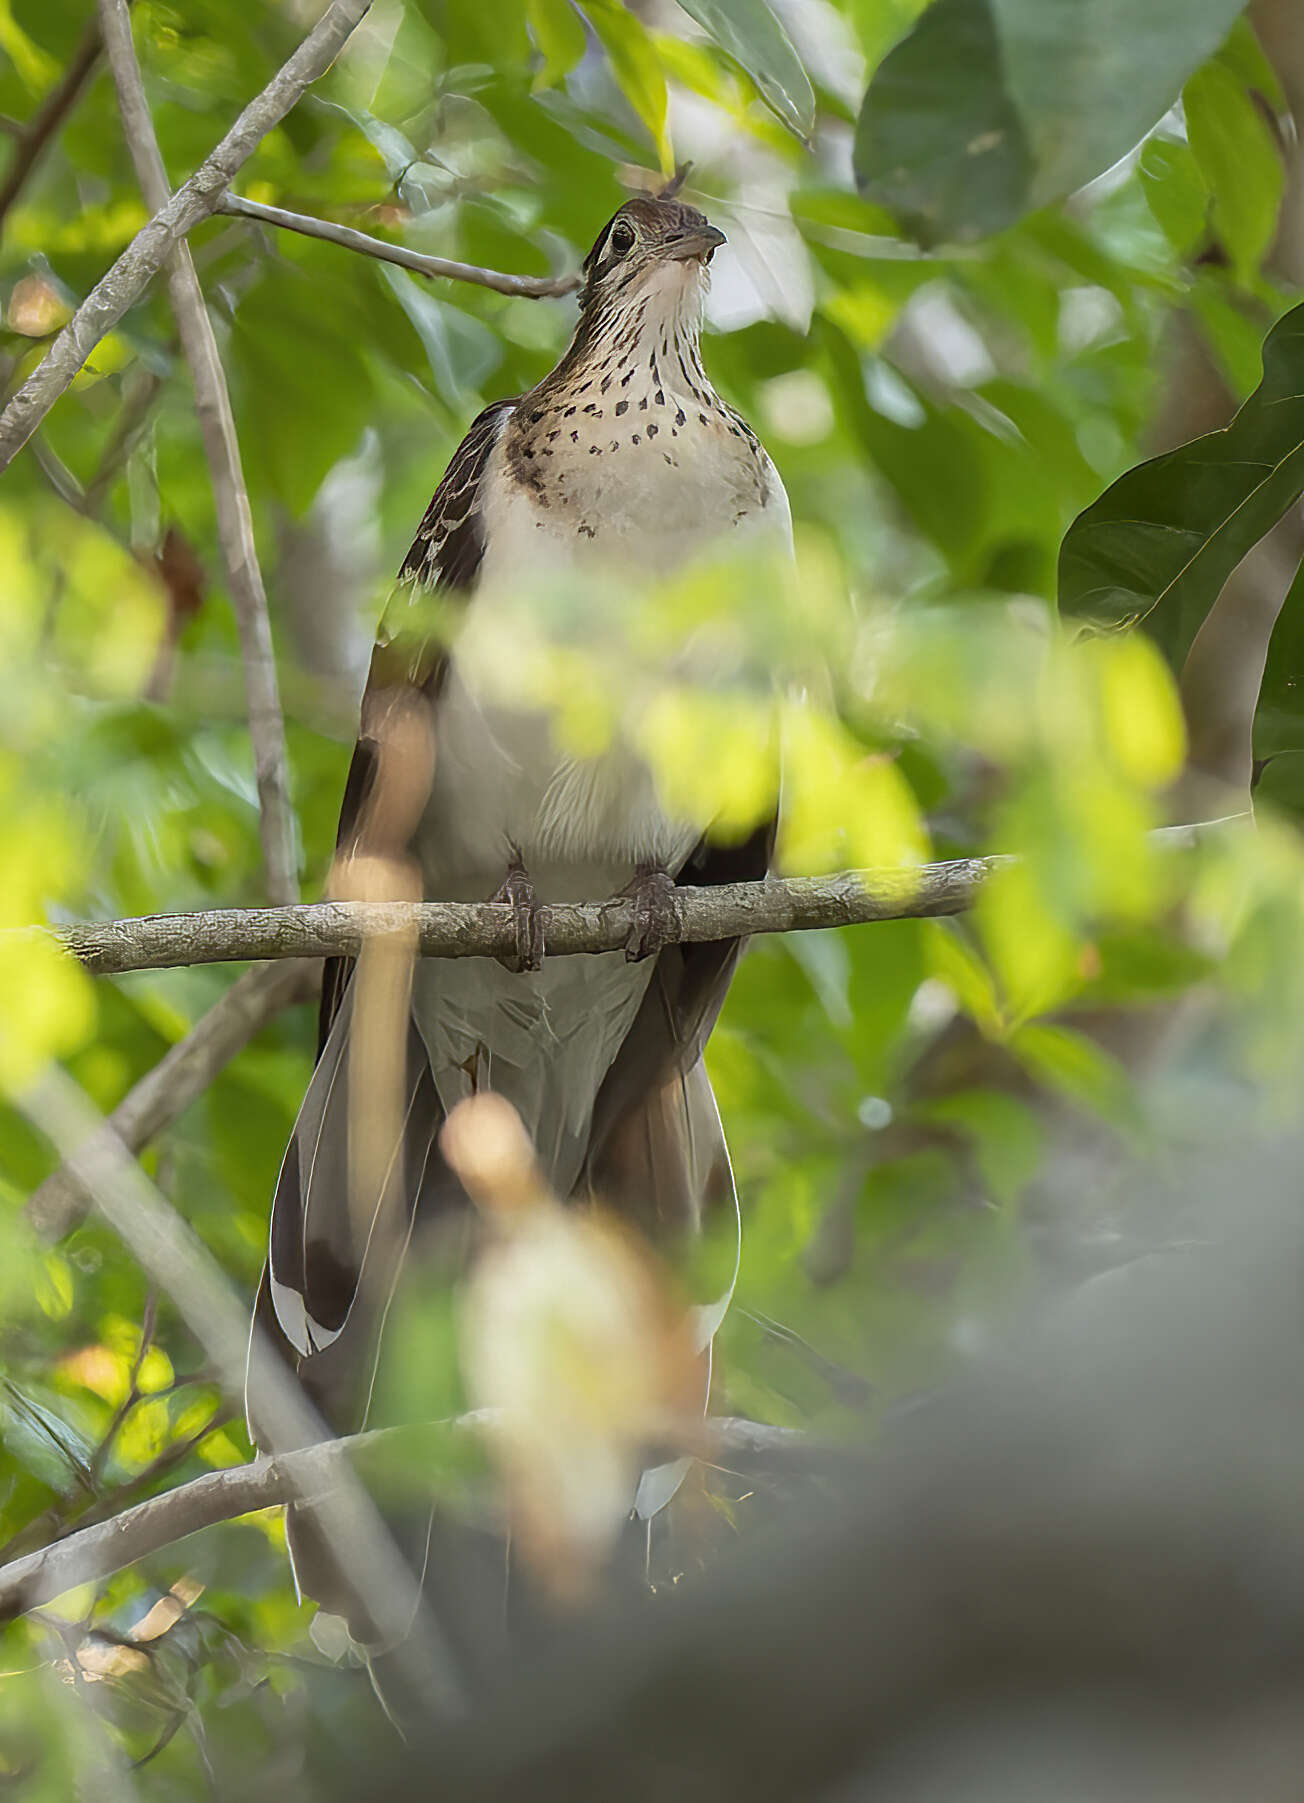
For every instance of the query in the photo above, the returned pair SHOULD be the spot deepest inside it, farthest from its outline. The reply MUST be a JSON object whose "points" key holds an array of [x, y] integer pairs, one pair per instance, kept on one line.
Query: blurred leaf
{"points": [[634, 64], [558, 30], [952, 960], [990, 107], [1171, 531], [1238, 157], [1079, 1070], [1006, 1137], [1175, 191], [751, 34], [463, 351]]}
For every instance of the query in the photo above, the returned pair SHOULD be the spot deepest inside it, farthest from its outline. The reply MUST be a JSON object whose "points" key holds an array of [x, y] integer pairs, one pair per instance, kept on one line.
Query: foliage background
{"points": [[955, 320]]}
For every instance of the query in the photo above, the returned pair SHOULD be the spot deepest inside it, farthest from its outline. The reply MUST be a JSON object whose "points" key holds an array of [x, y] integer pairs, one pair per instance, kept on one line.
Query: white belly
{"points": [[501, 786]]}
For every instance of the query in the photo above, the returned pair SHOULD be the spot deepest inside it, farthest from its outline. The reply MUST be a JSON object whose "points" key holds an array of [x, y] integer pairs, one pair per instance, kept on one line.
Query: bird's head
{"points": [[654, 245]]}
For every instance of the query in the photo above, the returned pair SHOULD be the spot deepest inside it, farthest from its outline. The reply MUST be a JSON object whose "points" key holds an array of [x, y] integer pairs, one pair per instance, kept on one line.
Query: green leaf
{"points": [[1079, 1070], [557, 29], [1279, 719], [1175, 191], [633, 59], [991, 107], [1172, 530], [749, 32], [1005, 1135], [1237, 156]]}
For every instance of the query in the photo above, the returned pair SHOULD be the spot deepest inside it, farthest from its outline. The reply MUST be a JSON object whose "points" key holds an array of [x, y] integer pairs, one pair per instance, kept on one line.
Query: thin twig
{"points": [[235, 529], [150, 248], [172, 1257], [31, 139], [484, 929], [184, 1072], [97, 1552], [530, 286]]}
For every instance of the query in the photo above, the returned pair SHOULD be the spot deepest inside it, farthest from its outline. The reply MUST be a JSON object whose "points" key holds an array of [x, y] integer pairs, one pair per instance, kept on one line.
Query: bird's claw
{"points": [[518, 892], [656, 913]]}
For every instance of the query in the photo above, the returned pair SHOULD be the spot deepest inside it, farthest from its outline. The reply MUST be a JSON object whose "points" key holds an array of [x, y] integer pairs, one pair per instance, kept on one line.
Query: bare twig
{"points": [[484, 929], [530, 286], [217, 429], [31, 139], [150, 248], [180, 1075], [173, 1258], [97, 1552]]}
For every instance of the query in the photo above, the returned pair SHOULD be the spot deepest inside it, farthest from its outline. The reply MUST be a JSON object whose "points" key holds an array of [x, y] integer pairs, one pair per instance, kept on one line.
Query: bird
{"points": [[623, 462]]}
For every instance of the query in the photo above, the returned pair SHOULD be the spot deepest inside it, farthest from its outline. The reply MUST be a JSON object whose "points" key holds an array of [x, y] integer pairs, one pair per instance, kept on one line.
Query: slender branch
{"points": [[96, 1552], [150, 248], [173, 1258], [31, 139], [532, 287], [235, 528], [183, 1073], [484, 929]]}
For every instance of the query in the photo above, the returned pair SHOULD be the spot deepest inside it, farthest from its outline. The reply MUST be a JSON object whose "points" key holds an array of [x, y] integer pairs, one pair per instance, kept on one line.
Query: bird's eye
{"points": [[622, 238]]}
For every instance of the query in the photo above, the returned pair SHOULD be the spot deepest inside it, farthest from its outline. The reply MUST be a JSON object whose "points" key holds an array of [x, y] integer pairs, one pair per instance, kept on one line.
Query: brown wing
{"points": [[656, 1146], [320, 1246], [408, 664]]}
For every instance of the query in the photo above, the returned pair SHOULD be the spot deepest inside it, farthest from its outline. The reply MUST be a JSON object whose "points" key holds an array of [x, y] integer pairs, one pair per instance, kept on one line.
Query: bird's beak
{"points": [[700, 243]]}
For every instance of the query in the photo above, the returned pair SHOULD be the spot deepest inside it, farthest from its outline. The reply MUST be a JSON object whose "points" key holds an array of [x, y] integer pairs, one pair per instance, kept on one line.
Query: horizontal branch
{"points": [[124, 283], [530, 286], [484, 929], [94, 1553]]}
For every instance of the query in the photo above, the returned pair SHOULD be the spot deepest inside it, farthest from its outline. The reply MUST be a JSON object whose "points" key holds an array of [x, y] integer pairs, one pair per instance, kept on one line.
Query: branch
{"points": [[150, 248], [93, 1553], [221, 447], [169, 1253], [182, 1074], [484, 929], [31, 139], [532, 287]]}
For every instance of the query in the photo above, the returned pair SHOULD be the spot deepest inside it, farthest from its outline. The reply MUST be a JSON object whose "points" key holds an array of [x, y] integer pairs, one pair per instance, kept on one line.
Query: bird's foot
{"points": [[656, 912], [527, 917]]}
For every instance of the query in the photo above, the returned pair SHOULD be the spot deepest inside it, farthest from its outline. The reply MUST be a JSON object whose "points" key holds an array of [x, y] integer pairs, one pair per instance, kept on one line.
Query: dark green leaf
{"points": [[1279, 718], [991, 107], [1172, 530]]}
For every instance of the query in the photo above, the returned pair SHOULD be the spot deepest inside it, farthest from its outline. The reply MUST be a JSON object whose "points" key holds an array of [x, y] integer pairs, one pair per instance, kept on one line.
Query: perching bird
{"points": [[623, 462]]}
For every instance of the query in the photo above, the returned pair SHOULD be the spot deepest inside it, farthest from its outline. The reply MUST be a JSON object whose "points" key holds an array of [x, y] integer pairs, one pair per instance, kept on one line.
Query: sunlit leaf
{"points": [[1237, 154], [557, 29], [634, 64], [751, 34]]}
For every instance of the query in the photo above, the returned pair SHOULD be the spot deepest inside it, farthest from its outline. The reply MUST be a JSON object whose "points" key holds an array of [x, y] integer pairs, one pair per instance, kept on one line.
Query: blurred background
{"points": [[983, 259]]}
